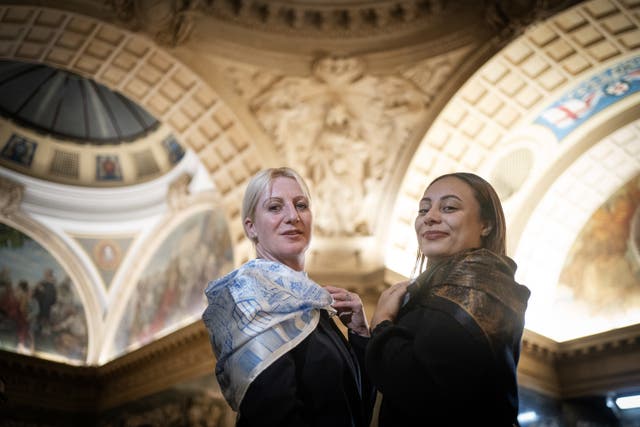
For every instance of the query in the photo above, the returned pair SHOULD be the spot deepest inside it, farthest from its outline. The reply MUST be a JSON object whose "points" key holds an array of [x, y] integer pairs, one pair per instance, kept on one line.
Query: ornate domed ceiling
{"points": [[370, 101], [68, 106], [63, 127]]}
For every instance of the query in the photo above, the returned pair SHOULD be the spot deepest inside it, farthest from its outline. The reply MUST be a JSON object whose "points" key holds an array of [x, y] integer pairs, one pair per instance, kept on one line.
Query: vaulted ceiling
{"points": [[368, 100]]}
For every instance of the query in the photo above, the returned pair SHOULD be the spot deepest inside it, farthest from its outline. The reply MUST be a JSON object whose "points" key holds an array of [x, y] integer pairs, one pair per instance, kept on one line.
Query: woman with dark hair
{"points": [[282, 361], [445, 347]]}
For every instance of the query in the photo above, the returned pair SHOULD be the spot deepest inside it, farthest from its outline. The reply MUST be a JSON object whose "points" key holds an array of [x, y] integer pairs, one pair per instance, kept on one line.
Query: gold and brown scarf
{"points": [[482, 284]]}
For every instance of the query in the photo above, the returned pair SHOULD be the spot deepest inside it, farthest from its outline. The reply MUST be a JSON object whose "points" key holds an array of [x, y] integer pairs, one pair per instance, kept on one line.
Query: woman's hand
{"points": [[350, 310], [389, 303]]}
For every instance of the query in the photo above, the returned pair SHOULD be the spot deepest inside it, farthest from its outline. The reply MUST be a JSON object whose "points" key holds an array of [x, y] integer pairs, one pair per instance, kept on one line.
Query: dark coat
{"points": [[451, 357], [317, 383]]}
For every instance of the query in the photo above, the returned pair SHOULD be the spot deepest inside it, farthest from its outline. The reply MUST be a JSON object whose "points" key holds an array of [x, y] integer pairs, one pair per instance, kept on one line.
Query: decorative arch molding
{"points": [[565, 198], [50, 241], [133, 65], [612, 130]]}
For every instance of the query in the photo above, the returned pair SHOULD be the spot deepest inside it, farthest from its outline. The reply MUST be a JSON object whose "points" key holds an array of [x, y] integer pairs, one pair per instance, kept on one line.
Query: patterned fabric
{"points": [[482, 284], [256, 314]]}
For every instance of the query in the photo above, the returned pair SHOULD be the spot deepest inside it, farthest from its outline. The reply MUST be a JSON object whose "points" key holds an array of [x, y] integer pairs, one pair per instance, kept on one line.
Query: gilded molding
{"points": [[615, 341], [622, 339], [186, 354]]}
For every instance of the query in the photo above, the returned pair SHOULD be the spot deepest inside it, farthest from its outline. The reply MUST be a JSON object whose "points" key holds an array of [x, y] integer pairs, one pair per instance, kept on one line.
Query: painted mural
{"points": [[590, 97], [106, 254], [170, 292], [600, 280], [40, 310]]}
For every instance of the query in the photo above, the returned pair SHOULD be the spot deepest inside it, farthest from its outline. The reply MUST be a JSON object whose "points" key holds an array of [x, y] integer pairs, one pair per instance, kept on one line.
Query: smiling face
{"points": [[281, 224], [448, 219]]}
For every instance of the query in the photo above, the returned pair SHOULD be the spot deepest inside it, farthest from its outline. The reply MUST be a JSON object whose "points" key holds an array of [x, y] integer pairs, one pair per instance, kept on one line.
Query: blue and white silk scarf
{"points": [[256, 314]]}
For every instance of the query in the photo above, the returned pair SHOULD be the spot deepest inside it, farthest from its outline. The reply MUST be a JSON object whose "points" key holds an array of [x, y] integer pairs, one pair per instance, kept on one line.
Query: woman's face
{"points": [[282, 222], [448, 219]]}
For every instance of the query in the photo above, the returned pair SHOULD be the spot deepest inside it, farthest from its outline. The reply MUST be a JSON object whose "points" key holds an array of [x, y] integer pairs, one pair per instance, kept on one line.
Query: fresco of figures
{"points": [[170, 291], [40, 310], [602, 272]]}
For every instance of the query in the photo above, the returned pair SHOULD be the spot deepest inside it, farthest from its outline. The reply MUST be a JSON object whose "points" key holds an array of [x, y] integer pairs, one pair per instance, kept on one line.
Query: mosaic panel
{"points": [[108, 168], [19, 150], [590, 97]]}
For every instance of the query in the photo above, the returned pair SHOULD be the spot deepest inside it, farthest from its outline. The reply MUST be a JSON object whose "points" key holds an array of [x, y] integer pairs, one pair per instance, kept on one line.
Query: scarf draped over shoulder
{"points": [[256, 314], [482, 284]]}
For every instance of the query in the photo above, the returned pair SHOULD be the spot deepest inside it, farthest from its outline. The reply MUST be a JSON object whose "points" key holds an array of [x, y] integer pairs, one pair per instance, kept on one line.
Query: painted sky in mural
{"points": [[590, 97], [599, 283], [170, 291], [40, 310]]}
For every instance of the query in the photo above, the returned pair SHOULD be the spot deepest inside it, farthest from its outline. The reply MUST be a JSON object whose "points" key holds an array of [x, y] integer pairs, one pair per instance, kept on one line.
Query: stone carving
{"points": [[178, 193], [332, 19], [169, 22], [172, 21], [511, 17], [343, 130], [432, 73], [11, 194]]}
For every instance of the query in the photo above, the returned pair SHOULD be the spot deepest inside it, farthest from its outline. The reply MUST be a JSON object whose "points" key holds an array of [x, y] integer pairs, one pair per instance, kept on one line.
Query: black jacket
{"points": [[451, 357], [318, 383]]}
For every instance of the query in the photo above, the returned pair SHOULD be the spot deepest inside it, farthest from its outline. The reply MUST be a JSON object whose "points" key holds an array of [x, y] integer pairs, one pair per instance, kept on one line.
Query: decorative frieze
{"points": [[546, 366], [172, 22]]}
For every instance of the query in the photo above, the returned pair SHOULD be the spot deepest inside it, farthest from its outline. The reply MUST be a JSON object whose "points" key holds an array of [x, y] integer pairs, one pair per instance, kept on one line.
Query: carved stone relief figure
{"points": [[169, 22], [178, 192], [11, 194], [343, 130]]}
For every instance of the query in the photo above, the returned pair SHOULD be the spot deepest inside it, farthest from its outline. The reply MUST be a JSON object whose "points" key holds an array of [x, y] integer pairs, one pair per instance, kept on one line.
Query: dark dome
{"points": [[69, 106]]}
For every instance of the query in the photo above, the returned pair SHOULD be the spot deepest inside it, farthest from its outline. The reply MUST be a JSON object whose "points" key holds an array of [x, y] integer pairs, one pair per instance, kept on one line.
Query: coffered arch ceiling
{"points": [[369, 101], [566, 94]]}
